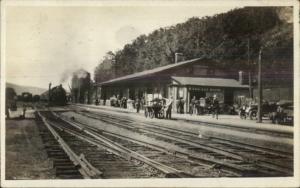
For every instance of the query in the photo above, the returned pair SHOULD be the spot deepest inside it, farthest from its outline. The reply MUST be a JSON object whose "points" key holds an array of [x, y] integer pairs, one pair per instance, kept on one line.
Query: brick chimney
{"points": [[177, 55]]}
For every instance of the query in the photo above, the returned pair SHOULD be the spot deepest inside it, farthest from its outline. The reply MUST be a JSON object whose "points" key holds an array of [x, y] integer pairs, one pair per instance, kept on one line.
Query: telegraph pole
{"points": [[78, 99], [259, 111], [248, 61]]}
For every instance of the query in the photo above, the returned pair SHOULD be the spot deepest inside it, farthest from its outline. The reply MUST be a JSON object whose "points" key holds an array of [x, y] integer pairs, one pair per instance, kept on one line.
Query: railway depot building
{"points": [[197, 78]]}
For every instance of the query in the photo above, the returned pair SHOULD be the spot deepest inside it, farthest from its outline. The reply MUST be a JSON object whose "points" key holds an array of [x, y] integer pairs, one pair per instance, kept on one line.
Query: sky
{"points": [[47, 43]]}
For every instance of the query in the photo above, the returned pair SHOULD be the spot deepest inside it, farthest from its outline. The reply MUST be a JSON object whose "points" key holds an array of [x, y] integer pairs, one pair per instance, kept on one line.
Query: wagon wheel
{"points": [[151, 113], [161, 114], [252, 115]]}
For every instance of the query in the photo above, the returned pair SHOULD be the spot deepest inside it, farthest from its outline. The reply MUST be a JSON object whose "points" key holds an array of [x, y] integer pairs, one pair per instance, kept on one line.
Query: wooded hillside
{"points": [[223, 38]]}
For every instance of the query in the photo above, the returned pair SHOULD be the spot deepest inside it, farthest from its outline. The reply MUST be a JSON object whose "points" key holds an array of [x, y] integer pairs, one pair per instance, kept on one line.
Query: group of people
{"points": [[158, 105], [208, 104], [164, 105], [118, 101]]}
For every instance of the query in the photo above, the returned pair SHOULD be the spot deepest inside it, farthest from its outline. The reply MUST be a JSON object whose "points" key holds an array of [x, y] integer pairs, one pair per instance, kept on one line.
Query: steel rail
{"points": [[121, 150], [233, 168], [244, 158], [244, 145], [283, 132], [248, 146], [165, 150], [85, 168], [196, 144], [257, 162], [182, 140], [152, 146]]}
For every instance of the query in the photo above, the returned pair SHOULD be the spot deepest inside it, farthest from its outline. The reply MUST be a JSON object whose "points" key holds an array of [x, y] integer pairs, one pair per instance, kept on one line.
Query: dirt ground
{"points": [[25, 156]]}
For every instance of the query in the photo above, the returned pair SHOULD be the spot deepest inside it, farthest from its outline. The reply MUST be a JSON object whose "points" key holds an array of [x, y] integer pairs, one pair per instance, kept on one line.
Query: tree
{"points": [[106, 68], [222, 38], [10, 93]]}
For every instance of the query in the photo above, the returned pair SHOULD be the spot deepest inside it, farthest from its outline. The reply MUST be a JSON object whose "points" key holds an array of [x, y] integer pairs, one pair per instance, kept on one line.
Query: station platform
{"points": [[227, 120]]}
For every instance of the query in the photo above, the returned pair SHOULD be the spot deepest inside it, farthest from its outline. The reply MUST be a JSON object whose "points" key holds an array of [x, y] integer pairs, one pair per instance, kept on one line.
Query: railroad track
{"points": [[159, 163], [109, 160], [171, 163], [231, 127], [267, 162], [66, 164]]}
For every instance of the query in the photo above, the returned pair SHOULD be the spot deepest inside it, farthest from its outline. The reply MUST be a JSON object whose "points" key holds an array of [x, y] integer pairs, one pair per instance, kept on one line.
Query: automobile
{"points": [[251, 110], [242, 112], [284, 113], [227, 109]]}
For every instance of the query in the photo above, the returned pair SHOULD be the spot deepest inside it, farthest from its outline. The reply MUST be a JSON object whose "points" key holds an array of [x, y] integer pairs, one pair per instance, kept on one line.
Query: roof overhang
{"points": [[148, 73], [205, 82]]}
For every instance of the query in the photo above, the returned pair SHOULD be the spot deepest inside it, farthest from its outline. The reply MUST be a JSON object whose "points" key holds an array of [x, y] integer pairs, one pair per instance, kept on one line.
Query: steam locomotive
{"points": [[58, 96]]}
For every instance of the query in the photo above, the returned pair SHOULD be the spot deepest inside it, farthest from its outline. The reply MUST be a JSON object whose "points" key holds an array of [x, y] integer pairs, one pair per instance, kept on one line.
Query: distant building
{"points": [[199, 77]]}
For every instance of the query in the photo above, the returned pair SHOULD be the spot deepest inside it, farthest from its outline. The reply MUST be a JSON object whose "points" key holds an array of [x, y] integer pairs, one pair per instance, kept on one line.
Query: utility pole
{"points": [[248, 61], [78, 95], [259, 111], [114, 65], [95, 86]]}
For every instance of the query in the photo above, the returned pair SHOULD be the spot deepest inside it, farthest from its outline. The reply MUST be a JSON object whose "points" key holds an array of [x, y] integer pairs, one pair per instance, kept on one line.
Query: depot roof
{"points": [[212, 82], [149, 72]]}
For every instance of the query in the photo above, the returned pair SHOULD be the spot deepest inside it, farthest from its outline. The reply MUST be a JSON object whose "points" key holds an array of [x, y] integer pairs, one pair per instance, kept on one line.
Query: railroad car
{"points": [[11, 99]]}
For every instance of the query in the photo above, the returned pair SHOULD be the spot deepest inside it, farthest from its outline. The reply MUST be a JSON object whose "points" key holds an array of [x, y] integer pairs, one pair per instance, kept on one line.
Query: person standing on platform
{"points": [[198, 110], [125, 102], [169, 104], [142, 103], [97, 102], [193, 105], [104, 100], [118, 101], [181, 105], [215, 107], [137, 105], [24, 111]]}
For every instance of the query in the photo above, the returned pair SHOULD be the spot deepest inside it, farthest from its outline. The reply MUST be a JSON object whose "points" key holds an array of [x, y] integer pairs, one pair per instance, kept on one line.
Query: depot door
{"points": [[228, 96]]}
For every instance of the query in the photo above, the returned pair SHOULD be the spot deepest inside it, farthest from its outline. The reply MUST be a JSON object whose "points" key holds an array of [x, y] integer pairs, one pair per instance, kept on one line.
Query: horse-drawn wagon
{"points": [[155, 108]]}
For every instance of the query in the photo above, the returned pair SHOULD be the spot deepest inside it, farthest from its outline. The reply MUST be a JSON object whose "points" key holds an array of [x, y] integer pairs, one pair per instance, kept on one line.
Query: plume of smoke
{"points": [[81, 73], [66, 75]]}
